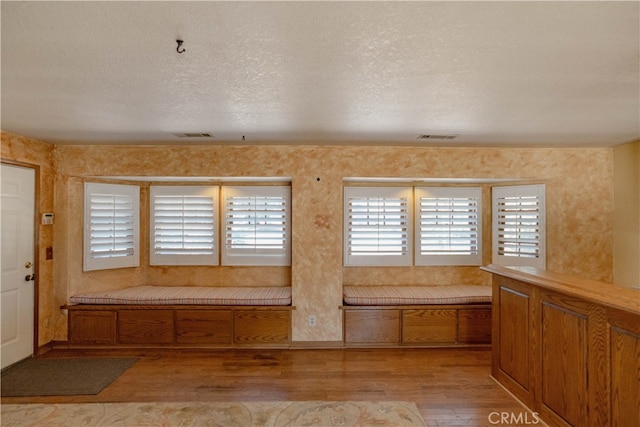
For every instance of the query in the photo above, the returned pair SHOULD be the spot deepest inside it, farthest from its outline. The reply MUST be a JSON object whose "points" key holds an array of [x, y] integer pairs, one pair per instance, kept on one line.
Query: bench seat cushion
{"points": [[416, 295], [178, 295]]}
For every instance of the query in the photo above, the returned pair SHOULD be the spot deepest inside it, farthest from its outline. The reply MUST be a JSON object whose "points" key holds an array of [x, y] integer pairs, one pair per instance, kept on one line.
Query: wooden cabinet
{"points": [[179, 326], [417, 326], [568, 348]]}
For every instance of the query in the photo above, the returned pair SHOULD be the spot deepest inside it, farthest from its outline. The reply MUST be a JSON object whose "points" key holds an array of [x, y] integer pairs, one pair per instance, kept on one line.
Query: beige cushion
{"points": [[177, 295], [416, 295]]}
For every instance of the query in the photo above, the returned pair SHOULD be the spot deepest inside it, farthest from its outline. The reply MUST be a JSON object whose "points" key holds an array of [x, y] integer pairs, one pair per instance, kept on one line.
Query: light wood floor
{"points": [[449, 386]]}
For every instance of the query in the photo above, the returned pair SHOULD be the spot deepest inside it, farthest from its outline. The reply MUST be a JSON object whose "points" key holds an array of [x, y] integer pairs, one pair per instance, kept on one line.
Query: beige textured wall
{"points": [[579, 210], [38, 154], [626, 236]]}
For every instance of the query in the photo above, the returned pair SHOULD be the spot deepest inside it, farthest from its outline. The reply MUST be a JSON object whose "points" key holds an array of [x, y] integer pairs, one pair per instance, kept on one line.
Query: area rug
{"points": [[62, 377], [223, 414]]}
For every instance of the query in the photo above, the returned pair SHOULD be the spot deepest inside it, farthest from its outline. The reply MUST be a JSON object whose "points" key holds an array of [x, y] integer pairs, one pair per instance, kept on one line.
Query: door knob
{"points": [[27, 264], [29, 277]]}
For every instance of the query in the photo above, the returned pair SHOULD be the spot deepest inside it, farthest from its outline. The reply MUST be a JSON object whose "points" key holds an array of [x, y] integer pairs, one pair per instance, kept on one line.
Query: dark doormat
{"points": [[62, 377]]}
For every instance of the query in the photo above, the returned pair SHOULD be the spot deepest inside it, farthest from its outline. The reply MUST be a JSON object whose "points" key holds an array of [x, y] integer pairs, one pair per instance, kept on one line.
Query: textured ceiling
{"points": [[494, 73]]}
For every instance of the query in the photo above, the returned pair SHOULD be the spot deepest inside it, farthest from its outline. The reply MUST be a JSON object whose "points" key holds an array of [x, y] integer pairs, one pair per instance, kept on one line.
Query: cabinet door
{"points": [[474, 326], [203, 327], [512, 353], [261, 326], [145, 326], [514, 335], [372, 326], [92, 326], [624, 368], [429, 326], [564, 362]]}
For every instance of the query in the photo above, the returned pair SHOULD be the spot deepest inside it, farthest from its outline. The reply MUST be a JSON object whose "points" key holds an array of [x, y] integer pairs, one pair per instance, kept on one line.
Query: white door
{"points": [[17, 250]]}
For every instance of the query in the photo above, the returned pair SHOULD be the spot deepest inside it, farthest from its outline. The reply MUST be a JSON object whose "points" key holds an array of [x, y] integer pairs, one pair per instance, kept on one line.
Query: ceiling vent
{"points": [[430, 136], [193, 135]]}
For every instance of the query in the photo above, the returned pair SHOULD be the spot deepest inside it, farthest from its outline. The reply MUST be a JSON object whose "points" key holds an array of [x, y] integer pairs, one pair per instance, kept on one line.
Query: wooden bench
{"points": [[417, 316], [181, 317]]}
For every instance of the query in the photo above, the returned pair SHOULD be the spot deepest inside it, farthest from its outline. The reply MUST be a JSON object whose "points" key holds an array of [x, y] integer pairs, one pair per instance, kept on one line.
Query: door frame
{"points": [[36, 247]]}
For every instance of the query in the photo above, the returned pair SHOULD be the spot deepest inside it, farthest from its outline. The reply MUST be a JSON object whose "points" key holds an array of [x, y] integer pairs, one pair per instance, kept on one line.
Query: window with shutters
{"points": [[256, 225], [377, 223], [519, 225], [448, 226], [112, 226], [183, 225]]}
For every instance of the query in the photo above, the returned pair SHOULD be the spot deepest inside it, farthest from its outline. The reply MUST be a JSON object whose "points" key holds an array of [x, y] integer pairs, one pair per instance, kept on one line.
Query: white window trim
{"points": [[538, 191], [90, 262], [156, 257], [472, 193], [256, 256], [380, 260]]}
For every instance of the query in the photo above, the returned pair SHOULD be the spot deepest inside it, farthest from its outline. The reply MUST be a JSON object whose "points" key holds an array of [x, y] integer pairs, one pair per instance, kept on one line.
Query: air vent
{"points": [[193, 135], [429, 136]]}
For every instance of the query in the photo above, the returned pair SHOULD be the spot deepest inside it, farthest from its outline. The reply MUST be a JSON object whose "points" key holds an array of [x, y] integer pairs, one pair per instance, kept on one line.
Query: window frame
{"points": [[518, 191], [449, 258], [210, 192], [351, 259], [233, 256], [132, 192]]}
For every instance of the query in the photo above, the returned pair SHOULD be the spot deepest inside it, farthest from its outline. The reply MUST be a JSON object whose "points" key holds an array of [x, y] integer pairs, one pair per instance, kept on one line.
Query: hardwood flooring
{"points": [[450, 386]]}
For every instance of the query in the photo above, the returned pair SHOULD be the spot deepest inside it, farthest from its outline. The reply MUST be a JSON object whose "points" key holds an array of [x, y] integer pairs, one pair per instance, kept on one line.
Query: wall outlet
{"points": [[311, 320]]}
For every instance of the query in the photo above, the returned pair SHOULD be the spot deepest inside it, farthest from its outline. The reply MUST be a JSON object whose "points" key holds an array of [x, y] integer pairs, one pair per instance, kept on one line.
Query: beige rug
{"points": [[224, 414]]}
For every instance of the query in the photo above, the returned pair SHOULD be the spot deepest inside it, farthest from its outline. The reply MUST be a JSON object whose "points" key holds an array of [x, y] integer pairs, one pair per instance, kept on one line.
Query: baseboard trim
{"points": [[321, 345], [45, 348]]}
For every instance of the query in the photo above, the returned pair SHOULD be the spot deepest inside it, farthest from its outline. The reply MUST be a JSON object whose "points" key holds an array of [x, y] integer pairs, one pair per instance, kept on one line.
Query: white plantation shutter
{"points": [[184, 225], [519, 225], [448, 226], [256, 225], [377, 223], [111, 226]]}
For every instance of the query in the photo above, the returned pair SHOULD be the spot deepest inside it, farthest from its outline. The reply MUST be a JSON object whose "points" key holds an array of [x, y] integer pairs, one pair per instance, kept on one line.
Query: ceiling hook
{"points": [[180, 44]]}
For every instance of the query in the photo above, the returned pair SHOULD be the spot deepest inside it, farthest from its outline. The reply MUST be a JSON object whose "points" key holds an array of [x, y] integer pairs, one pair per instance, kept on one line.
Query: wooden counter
{"points": [[569, 348]]}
